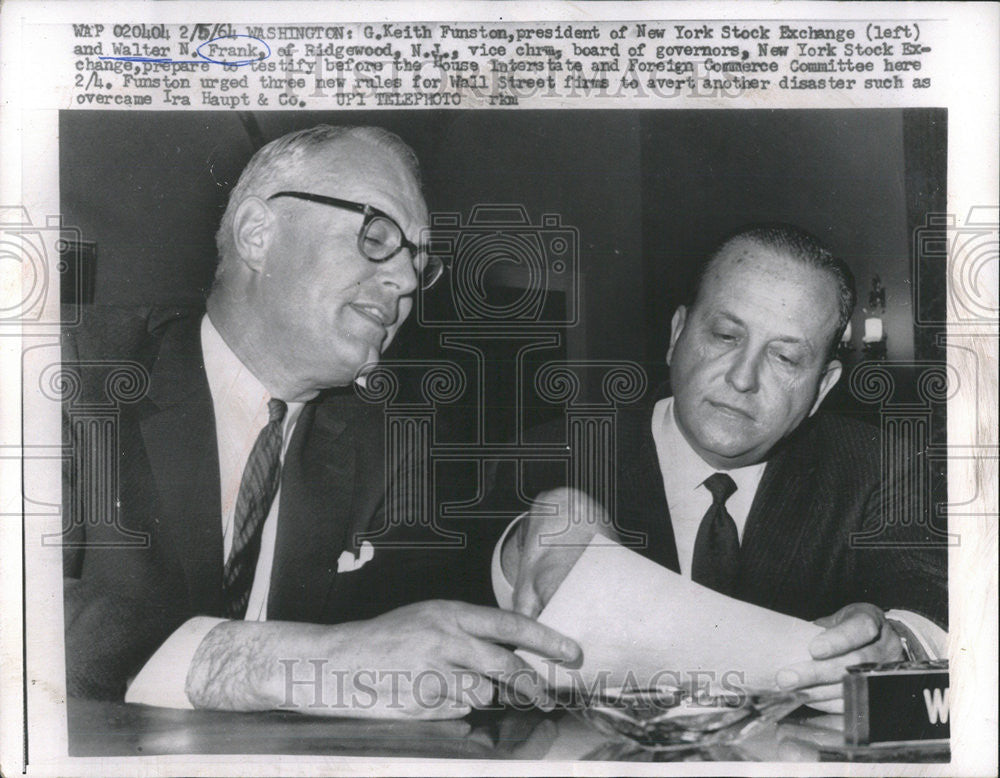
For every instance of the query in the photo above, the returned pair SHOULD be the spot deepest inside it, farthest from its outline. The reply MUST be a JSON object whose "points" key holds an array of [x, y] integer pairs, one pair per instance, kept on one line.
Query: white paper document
{"points": [[638, 622]]}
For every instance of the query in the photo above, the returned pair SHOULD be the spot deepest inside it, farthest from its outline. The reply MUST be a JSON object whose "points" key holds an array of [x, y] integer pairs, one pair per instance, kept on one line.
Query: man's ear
{"points": [[253, 223], [676, 326], [831, 374]]}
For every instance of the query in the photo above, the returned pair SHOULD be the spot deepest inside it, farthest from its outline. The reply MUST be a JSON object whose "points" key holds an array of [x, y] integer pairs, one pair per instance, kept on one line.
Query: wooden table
{"points": [[99, 728]]}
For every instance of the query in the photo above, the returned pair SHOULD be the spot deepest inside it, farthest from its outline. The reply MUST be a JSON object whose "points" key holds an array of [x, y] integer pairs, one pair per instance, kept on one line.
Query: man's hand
{"points": [[430, 660], [855, 634], [547, 543]]}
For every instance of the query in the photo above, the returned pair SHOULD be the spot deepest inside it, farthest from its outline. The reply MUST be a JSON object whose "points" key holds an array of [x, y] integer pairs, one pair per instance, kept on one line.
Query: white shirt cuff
{"points": [[161, 680], [502, 588], [933, 640]]}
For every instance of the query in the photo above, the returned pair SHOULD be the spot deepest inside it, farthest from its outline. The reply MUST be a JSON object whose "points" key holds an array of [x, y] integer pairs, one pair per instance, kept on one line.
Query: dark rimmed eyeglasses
{"points": [[380, 237]]}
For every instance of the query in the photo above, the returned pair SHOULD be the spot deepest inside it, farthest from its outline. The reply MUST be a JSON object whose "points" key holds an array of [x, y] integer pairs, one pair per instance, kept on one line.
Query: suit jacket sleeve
{"points": [[116, 607], [901, 556]]}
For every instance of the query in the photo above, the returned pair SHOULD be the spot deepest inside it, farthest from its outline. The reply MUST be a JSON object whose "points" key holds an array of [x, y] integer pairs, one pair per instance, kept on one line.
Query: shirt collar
{"points": [[688, 470], [231, 382], [236, 391]]}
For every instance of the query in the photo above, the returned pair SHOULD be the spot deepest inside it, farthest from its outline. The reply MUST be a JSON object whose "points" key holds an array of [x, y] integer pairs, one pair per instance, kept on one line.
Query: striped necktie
{"points": [[257, 489]]}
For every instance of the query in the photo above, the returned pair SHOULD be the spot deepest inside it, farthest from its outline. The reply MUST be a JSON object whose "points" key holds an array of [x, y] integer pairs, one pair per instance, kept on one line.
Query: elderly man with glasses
{"points": [[250, 475]]}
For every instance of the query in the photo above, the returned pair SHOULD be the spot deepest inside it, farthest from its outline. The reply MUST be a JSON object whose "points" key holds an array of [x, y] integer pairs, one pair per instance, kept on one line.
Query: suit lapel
{"points": [[644, 506], [314, 515], [179, 438], [777, 523]]}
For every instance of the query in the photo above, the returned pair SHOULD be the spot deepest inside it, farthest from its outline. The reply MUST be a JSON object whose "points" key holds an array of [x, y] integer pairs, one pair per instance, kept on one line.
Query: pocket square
{"points": [[348, 562]]}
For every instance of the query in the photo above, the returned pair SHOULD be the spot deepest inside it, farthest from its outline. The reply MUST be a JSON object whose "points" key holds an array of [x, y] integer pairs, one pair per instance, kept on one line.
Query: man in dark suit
{"points": [[250, 478], [737, 482]]}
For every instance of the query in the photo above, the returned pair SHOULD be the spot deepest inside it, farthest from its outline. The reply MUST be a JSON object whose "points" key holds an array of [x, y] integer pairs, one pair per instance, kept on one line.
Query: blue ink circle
{"points": [[235, 63]]}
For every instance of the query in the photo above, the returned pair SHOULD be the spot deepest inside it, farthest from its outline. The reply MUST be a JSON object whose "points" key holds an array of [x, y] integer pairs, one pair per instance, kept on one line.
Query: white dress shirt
{"points": [[239, 401], [684, 472]]}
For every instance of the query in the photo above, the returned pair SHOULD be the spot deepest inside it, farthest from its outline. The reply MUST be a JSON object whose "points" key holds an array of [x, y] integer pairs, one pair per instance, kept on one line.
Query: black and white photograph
{"points": [[515, 438], [530, 289]]}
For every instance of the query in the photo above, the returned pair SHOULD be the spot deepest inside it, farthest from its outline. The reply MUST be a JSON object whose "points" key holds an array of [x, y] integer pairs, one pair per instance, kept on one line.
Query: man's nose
{"points": [[743, 374], [399, 273]]}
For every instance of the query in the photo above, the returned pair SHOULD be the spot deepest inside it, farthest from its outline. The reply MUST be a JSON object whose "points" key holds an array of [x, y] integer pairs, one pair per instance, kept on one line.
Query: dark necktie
{"points": [[717, 547], [257, 489]]}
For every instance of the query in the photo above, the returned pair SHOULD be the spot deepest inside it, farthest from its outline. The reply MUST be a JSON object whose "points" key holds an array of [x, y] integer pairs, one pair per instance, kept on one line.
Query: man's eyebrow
{"points": [[803, 342], [726, 315], [791, 339]]}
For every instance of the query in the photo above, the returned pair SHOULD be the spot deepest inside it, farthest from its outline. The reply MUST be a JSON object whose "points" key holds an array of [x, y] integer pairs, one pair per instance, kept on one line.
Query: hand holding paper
{"points": [[547, 543], [855, 634], [642, 624]]}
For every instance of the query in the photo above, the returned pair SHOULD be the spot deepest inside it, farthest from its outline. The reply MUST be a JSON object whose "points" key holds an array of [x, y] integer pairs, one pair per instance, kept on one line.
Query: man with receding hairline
{"points": [[252, 476], [738, 482]]}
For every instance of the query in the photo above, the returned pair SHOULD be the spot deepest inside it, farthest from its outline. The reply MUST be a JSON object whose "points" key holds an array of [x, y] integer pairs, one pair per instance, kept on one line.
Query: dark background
{"points": [[649, 191]]}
